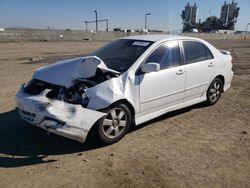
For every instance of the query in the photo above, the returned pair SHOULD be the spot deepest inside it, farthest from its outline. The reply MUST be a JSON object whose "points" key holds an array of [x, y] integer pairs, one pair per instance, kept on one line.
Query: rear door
{"points": [[200, 68]]}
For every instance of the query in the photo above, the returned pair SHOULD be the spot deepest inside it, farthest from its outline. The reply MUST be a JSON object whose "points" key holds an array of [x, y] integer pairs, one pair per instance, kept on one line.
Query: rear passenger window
{"points": [[167, 55], [195, 52]]}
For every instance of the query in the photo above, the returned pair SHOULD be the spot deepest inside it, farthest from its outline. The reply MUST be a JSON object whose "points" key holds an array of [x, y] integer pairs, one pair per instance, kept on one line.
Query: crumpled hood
{"points": [[64, 72]]}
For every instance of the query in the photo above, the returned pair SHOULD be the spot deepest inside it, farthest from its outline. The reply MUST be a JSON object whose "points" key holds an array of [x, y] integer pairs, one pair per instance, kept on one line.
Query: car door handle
{"points": [[211, 64], [180, 72]]}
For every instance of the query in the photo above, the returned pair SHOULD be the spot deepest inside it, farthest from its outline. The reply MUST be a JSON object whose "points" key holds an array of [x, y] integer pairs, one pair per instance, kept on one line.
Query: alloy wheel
{"points": [[215, 91], [114, 123]]}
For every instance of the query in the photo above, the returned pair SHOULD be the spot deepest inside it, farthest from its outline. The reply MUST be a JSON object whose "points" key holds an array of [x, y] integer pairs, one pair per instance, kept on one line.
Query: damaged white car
{"points": [[128, 81]]}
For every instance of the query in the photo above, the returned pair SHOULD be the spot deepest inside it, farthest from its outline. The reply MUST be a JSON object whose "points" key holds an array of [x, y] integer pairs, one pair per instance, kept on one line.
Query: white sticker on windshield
{"points": [[139, 43]]}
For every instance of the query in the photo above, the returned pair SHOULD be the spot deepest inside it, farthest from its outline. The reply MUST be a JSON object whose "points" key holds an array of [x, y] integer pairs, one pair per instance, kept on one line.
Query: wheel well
{"points": [[223, 81], [91, 132], [130, 107]]}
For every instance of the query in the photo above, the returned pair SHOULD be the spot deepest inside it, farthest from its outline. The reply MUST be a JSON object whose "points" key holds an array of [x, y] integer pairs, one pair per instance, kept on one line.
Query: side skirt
{"points": [[141, 118]]}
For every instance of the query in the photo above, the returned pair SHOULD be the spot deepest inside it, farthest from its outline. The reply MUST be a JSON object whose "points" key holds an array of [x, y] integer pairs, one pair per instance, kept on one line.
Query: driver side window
{"points": [[167, 55]]}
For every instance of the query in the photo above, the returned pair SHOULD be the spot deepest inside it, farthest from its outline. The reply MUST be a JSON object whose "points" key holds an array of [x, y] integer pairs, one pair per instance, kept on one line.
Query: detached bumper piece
{"points": [[64, 119]]}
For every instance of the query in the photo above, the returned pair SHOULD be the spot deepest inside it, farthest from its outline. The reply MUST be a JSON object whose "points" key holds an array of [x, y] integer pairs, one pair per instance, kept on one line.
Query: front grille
{"points": [[28, 116]]}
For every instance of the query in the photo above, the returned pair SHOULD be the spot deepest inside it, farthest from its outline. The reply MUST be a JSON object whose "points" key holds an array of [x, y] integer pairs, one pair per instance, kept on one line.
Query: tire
{"points": [[113, 127], [214, 91]]}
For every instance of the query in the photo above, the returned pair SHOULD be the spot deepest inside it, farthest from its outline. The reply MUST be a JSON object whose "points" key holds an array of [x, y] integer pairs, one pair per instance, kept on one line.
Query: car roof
{"points": [[155, 38]]}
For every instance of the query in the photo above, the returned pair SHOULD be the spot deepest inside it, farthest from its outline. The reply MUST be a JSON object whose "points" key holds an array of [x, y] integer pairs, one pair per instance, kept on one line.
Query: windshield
{"points": [[121, 54]]}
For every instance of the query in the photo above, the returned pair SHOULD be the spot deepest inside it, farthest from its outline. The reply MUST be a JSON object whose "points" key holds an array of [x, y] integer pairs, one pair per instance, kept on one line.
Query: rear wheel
{"points": [[112, 127], [214, 91]]}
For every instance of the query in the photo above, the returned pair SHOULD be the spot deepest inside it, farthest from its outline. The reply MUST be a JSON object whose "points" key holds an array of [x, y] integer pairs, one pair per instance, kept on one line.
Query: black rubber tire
{"points": [[220, 89], [99, 134]]}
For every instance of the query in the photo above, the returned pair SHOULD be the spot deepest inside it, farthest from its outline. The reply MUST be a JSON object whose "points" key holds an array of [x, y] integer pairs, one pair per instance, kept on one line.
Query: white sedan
{"points": [[127, 82]]}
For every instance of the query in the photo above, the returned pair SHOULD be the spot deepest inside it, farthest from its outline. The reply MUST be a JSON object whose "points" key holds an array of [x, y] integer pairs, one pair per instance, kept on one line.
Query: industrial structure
{"points": [[229, 14], [189, 17], [96, 23], [228, 18]]}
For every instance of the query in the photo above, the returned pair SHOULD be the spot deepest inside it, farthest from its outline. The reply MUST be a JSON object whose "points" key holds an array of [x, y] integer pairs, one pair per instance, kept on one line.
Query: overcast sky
{"points": [[63, 14]]}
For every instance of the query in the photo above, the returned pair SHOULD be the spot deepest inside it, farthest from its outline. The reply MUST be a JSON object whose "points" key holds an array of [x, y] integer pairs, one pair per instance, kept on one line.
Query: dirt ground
{"points": [[197, 146]]}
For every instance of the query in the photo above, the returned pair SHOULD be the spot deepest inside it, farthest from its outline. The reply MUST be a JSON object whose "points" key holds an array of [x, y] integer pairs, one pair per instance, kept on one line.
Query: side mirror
{"points": [[150, 67]]}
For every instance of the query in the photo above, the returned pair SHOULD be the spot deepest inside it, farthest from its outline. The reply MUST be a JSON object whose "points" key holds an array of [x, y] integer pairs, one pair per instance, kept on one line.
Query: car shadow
{"points": [[22, 144], [169, 115]]}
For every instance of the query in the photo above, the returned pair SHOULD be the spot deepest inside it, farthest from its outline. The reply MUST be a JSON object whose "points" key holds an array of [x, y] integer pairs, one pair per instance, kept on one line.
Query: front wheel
{"points": [[214, 91], [112, 127]]}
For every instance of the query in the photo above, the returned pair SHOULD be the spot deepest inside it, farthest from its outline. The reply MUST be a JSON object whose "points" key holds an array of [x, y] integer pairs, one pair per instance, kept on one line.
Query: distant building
{"points": [[189, 17], [228, 18], [229, 14]]}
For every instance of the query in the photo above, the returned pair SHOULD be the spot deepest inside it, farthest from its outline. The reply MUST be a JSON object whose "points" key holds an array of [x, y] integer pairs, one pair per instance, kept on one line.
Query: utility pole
{"points": [[246, 30], [86, 26], [50, 33], [96, 26], [147, 14], [107, 22]]}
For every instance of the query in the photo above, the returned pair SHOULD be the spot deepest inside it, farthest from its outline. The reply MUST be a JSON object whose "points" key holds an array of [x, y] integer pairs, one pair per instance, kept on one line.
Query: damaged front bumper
{"points": [[64, 119]]}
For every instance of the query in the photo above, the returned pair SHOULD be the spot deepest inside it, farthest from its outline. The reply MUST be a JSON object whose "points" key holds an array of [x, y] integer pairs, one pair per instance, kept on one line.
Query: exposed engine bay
{"points": [[75, 94]]}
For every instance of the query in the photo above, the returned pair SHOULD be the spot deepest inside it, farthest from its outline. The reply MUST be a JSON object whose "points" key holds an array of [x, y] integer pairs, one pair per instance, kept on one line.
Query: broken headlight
{"points": [[35, 86], [76, 93]]}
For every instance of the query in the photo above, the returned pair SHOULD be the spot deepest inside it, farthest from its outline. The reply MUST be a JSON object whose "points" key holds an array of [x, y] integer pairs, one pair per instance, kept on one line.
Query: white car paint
{"points": [[150, 94], [73, 121], [68, 70], [160, 96]]}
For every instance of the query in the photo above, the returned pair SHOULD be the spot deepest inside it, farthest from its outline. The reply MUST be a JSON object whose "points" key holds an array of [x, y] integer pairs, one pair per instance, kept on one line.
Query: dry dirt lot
{"points": [[198, 146]]}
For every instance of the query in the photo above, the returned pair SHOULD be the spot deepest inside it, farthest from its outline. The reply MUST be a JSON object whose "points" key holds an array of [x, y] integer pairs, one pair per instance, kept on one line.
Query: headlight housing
{"points": [[35, 86]]}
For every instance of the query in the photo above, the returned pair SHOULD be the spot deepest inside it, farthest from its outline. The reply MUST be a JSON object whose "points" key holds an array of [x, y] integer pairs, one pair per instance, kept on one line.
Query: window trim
{"points": [[183, 51]]}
